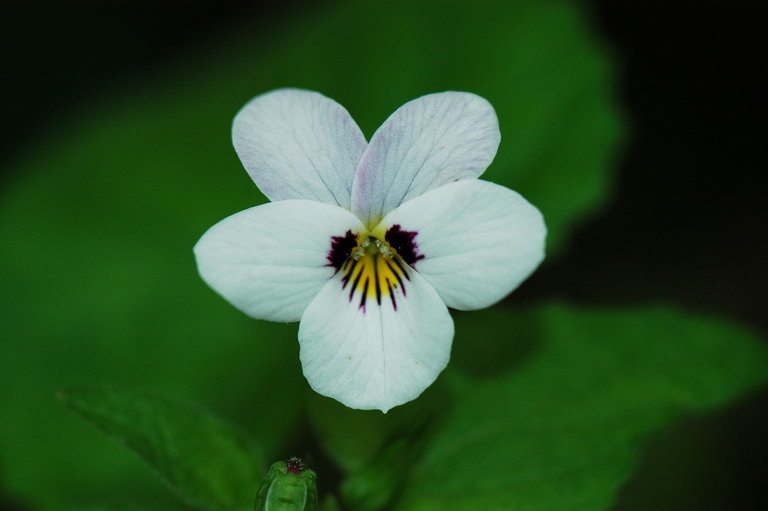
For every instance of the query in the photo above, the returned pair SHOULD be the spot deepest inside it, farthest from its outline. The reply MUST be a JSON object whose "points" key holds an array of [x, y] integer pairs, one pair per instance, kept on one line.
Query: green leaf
{"points": [[97, 222], [206, 462], [561, 429]]}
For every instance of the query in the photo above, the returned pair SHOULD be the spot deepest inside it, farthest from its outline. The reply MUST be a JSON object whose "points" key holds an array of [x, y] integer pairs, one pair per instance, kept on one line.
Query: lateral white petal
{"points": [[428, 142], [375, 356], [270, 261], [479, 240], [299, 144]]}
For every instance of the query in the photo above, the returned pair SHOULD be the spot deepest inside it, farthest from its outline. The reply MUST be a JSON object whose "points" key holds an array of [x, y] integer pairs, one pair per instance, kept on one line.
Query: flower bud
{"points": [[288, 486]]}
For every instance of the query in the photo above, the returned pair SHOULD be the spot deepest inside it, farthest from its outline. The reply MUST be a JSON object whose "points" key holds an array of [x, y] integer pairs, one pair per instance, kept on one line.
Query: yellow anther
{"points": [[373, 246], [357, 253], [385, 250]]}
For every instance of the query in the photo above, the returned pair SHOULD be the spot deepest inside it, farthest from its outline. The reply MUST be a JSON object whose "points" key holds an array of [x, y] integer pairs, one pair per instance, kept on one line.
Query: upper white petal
{"points": [[299, 144], [375, 357], [270, 261], [428, 142], [479, 240]]}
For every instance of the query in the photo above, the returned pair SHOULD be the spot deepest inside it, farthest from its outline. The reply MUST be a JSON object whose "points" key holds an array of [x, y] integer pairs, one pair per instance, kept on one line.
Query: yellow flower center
{"points": [[374, 270]]}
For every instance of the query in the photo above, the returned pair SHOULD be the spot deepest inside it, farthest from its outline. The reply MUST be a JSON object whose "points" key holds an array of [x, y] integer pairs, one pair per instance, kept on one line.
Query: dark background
{"points": [[686, 225]]}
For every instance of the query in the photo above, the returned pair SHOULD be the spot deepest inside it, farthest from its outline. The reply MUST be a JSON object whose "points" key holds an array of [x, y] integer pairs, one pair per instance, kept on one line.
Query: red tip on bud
{"points": [[294, 466]]}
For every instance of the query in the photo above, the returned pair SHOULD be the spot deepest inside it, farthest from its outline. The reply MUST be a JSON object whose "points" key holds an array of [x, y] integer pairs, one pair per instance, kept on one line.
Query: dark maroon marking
{"points": [[354, 284], [404, 243], [392, 295], [341, 248], [396, 274], [294, 466], [376, 278], [348, 274], [405, 273], [365, 293]]}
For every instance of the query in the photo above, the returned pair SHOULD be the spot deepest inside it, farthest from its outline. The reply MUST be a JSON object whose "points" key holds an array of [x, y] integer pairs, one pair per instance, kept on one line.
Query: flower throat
{"points": [[373, 268]]}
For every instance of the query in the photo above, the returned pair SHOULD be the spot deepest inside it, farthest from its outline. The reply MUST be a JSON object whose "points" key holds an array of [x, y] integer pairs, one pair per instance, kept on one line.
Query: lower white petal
{"points": [[475, 241], [270, 261], [375, 354]]}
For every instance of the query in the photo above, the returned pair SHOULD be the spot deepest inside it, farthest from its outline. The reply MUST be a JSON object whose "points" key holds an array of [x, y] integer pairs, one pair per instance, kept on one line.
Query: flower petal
{"points": [[270, 261], [374, 355], [299, 144], [428, 142], [478, 240]]}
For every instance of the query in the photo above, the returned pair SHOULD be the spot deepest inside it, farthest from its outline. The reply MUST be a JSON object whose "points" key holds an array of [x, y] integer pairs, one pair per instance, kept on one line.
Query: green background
{"points": [[550, 396]]}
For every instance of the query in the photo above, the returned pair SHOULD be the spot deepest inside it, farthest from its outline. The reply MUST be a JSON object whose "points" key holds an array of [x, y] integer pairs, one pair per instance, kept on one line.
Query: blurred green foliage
{"points": [[560, 429], [98, 283], [546, 409]]}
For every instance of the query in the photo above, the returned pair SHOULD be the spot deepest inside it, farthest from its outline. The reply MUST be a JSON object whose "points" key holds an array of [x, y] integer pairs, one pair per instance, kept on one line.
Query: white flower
{"points": [[368, 244]]}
